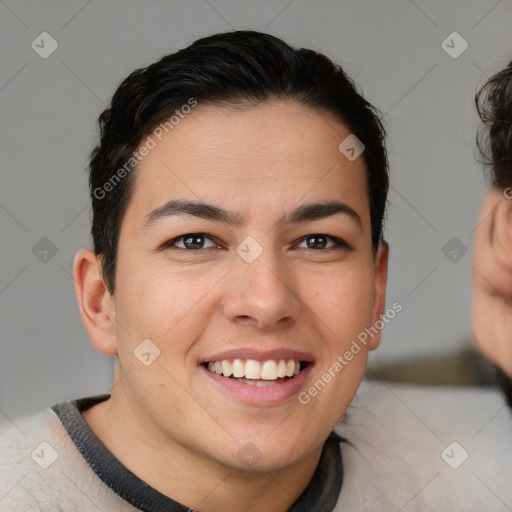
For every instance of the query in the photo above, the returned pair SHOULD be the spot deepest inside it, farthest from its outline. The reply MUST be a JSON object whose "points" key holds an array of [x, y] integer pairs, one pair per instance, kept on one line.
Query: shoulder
{"points": [[427, 448], [28, 451], [18, 438], [42, 469]]}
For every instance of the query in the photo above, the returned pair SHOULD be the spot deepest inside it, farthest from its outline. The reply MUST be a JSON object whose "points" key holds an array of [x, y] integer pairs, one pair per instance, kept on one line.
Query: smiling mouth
{"points": [[256, 373]]}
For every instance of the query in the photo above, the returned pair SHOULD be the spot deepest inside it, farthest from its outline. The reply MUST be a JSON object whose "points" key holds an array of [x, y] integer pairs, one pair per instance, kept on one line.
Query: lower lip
{"points": [[262, 396]]}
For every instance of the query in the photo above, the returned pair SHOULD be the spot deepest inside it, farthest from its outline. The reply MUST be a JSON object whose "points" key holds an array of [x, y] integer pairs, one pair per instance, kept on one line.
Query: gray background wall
{"points": [[49, 108]]}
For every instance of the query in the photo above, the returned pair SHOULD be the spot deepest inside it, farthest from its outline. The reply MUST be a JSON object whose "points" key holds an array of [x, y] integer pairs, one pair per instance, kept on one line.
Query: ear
{"points": [[94, 301], [379, 291], [491, 271]]}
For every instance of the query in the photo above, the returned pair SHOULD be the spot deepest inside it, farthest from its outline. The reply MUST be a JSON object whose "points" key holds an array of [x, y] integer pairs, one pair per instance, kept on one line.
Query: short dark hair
{"points": [[494, 137], [229, 68]]}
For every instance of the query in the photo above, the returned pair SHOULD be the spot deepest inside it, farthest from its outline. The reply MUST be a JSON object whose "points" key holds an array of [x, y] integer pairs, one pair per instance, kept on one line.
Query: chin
{"points": [[263, 463], [261, 456]]}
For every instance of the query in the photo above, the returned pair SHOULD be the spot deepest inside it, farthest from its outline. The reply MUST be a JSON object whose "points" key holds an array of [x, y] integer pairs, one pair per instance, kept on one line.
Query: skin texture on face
{"points": [[491, 315], [187, 436]]}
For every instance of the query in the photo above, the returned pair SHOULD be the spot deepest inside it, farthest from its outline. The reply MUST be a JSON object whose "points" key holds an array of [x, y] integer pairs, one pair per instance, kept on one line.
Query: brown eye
{"points": [[320, 241], [316, 241], [191, 241]]}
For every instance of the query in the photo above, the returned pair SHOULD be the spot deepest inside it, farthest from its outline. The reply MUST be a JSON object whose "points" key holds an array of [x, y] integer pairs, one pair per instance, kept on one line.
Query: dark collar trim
{"points": [[321, 495]]}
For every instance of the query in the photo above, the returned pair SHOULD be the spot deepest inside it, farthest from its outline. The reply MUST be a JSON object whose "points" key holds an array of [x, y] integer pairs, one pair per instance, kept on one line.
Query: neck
{"points": [[187, 476]]}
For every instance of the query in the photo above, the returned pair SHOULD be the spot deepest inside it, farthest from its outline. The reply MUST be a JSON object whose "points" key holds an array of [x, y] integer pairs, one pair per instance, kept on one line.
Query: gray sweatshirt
{"points": [[398, 448]]}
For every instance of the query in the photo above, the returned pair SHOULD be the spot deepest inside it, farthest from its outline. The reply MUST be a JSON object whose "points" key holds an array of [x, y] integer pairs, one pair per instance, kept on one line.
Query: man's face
{"points": [[270, 287]]}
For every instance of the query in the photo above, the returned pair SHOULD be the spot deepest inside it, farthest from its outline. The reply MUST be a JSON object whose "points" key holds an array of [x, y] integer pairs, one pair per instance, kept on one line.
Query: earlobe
{"points": [[379, 296], [94, 301]]}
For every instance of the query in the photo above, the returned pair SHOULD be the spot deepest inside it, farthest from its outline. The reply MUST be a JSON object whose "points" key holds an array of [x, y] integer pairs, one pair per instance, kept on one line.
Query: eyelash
{"points": [[340, 243]]}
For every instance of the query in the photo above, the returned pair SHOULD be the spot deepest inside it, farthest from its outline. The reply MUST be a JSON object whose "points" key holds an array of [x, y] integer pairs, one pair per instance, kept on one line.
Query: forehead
{"points": [[274, 153]]}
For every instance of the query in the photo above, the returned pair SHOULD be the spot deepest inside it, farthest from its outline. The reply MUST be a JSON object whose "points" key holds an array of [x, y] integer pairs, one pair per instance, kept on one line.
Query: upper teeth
{"points": [[252, 369]]}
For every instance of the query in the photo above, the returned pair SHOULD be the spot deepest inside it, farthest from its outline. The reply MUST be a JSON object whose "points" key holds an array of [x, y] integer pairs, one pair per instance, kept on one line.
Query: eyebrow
{"points": [[304, 213]]}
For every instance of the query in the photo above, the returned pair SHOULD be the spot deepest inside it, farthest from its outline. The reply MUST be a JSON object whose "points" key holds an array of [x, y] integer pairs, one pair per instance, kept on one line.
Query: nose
{"points": [[262, 294]]}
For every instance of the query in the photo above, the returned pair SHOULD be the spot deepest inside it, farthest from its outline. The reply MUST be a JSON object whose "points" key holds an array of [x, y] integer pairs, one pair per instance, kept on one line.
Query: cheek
{"points": [[167, 310], [491, 322], [343, 296], [158, 298], [343, 305]]}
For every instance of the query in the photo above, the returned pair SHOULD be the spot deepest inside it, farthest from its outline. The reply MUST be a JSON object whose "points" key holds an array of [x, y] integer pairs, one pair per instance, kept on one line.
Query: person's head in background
{"points": [[244, 232], [491, 316]]}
